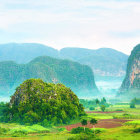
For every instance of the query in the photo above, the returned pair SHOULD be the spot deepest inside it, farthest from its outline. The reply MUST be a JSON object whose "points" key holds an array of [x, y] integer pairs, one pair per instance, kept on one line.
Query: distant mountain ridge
{"points": [[104, 61], [25, 52], [131, 82], [78, 77]]}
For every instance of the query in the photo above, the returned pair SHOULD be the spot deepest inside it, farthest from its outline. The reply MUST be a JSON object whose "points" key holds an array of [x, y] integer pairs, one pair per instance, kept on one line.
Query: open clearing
{"points": [[105, 123]]}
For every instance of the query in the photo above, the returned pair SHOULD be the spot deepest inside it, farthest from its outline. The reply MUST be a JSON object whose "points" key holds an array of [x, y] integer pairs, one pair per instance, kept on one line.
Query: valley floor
{"points": [[119, 122]]}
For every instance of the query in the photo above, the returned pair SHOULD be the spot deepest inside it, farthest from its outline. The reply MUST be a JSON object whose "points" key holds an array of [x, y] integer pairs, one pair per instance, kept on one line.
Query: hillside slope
{"points": [[37, 101], [104, 61], [24, 52], [131, 82], [78, 77]]}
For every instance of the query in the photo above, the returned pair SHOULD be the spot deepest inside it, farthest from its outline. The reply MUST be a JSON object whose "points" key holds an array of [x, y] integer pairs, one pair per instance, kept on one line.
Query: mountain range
{"points": [[103, 61], [78, 77]]}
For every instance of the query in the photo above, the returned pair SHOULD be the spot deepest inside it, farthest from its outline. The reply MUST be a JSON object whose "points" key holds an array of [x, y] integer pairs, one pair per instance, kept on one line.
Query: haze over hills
{"points": [[78, 77], [104, 61], [25, 52], [131, 83]]}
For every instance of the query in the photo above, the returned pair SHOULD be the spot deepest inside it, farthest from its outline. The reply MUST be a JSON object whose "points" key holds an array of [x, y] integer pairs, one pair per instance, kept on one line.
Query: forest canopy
{"points": [[37, 101]]}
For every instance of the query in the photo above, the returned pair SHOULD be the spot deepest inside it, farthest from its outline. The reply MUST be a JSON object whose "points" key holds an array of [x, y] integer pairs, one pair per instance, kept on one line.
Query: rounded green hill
{"points": [[36, 101]]}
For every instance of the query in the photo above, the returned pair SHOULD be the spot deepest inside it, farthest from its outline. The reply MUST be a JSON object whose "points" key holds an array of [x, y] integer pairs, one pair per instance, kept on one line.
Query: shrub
{"points": [[125, 114], [103, 107], [91, 108], [137, 122], [119, 110], [99, 130], [19, 133], [3, 130], [132, 105], [79, 130], [84, 137], [61, 129], [136, 130], [46, 123]]}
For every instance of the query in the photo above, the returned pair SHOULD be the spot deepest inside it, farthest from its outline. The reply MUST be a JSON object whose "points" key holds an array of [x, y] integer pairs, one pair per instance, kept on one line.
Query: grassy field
{"points": [[129, 130], [120, 133]]}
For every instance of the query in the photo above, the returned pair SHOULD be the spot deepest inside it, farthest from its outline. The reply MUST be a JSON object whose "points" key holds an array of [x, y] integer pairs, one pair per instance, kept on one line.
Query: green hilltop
{"points": [[78, 77], [36, 101]]}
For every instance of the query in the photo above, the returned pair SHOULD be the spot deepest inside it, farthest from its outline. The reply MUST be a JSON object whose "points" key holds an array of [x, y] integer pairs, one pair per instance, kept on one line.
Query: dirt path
{"points": [[105, 123], [104, 112]]}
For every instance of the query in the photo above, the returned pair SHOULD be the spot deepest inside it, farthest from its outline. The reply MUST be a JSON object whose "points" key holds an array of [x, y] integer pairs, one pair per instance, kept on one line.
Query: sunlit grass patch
{"points": [[31, 129], [100, 116], [135, 122], [120, 133]]}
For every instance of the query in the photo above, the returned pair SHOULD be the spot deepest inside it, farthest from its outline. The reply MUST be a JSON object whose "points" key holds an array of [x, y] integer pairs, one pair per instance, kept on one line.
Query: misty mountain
{"points": [[104, 61], [78, 77], [25, 52]]}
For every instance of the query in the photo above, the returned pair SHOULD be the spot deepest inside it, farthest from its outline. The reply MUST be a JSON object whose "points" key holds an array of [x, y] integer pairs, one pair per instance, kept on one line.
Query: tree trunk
{"points": [[94, 129]]}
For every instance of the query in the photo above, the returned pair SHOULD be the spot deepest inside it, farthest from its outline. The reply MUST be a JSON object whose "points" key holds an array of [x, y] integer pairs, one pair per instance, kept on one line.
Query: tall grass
{"points": [[135, 122]]}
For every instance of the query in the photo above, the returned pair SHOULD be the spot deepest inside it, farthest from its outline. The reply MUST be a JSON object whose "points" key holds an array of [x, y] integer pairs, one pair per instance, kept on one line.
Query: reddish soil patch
{"points": [[105, 123], [104, 112]]}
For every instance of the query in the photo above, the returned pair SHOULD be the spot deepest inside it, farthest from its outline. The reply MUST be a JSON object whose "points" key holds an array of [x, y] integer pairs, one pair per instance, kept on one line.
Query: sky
{"points": [[72, 23]]}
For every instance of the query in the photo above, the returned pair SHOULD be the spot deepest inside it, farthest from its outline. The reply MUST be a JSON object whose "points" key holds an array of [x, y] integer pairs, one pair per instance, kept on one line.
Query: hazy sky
{"points": [[72, 23]]}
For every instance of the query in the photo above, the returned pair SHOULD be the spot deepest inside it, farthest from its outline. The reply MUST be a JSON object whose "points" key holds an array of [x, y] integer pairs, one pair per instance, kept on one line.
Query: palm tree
{"points": [[84, 122], [93, 122]]}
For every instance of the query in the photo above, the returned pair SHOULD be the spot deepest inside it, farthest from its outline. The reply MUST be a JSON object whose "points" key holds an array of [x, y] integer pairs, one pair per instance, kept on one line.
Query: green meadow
{"points": [[129, 130]]}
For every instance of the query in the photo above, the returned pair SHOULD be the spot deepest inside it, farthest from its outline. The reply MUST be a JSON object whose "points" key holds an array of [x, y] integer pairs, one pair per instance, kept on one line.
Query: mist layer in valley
{"points": [[108, 86]]}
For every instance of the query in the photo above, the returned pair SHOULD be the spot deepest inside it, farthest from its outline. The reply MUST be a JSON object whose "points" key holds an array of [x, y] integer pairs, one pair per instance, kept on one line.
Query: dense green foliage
{"points": [[132, 105], [136, 130], [91, 108], [84, 136], [3, 107], [102, 107], [88, 103], [91, 104], [81, 130], [129, 130], [78, 77], [93, 121], [84, 122], [36, 101]]}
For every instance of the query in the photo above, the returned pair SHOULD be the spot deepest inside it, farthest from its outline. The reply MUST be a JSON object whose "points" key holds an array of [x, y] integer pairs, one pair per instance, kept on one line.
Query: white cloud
{"points": [[81, 23]]}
